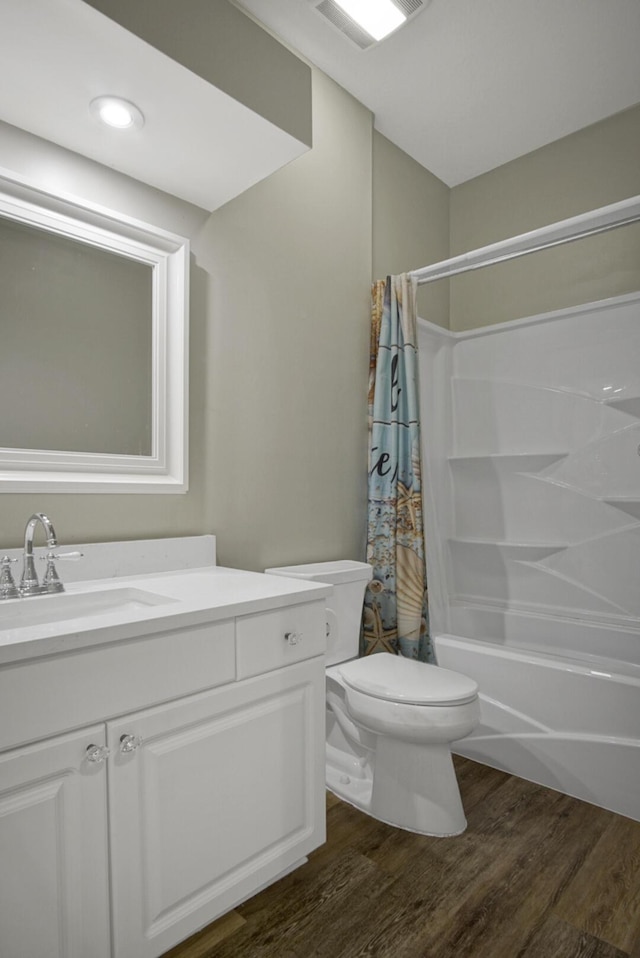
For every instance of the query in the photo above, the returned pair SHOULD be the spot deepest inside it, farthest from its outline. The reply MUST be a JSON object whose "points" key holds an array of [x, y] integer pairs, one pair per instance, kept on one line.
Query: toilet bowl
{"points": [[390, 720]]}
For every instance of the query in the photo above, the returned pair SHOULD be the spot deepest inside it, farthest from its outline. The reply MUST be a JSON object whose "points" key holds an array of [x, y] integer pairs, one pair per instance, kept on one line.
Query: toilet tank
{"points": [[344, 606]]}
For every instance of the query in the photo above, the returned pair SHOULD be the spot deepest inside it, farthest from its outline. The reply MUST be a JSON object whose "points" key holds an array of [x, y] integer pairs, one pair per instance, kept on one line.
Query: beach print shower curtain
{"points": [[395, 613]]}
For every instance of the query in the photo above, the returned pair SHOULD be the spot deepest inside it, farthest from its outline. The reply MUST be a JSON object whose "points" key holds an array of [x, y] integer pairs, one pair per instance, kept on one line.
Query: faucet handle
{"points": [[51, 581], [54, 556], [8, 588]]}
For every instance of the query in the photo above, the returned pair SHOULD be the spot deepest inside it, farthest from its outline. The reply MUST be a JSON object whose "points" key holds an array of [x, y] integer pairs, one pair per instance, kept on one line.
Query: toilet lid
{"points": [[397, 679]]}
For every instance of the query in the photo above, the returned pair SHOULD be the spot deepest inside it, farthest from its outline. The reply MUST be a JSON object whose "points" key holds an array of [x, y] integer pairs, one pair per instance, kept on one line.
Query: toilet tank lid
{"points": [[335, 573], [397, 679]]}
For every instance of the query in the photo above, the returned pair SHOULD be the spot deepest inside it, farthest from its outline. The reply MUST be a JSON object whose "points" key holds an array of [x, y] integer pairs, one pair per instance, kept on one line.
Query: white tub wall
{"points": [[506, 486], [578, 639], [519, 351], [435, 346], [518, 417], [539, 507]]}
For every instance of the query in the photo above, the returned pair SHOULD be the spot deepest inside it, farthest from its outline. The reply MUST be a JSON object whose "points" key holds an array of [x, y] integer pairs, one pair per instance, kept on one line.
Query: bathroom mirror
{"points": [[93, 359]]}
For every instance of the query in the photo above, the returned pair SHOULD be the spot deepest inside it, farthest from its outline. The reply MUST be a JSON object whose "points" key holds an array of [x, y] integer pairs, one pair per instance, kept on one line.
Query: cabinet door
{"points": [[53, 850], [224, 794]]}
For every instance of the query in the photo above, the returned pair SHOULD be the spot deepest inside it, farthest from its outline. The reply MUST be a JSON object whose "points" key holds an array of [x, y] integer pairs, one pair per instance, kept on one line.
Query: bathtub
{"points": [[553, 709]]}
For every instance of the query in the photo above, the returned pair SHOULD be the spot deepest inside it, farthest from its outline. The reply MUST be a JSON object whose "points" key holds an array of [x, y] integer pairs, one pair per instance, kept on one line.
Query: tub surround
{"points": [[135, 725], [532, 505]]}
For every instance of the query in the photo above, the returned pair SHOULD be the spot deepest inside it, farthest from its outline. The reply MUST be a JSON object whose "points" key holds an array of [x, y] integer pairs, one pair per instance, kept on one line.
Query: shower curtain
{"points": [[395, 613]]}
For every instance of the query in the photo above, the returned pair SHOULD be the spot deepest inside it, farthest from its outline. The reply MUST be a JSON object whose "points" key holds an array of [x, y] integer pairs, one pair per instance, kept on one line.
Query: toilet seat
{"points": [[397, 679]]}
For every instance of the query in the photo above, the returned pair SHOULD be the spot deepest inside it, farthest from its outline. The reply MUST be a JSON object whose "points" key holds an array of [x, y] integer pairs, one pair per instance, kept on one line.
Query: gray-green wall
{"points": [[591, 168], [282, 371], [410, 223]]}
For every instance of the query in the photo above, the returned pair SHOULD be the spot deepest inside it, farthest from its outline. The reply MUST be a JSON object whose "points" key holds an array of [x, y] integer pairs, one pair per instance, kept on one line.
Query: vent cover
{"points": [[353, 31]]}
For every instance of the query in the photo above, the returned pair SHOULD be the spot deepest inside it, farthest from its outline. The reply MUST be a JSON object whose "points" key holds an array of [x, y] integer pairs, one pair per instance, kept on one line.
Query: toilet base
{"points": [[354, 791], [415, 787], [410, 787]]}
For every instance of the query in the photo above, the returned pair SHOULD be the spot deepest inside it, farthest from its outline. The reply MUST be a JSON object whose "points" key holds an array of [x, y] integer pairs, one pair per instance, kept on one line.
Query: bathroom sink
{"points": [[38, 610]]}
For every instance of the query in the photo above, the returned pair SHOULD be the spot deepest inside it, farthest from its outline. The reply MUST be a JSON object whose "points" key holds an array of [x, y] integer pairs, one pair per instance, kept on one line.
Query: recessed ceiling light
{"points": [[116, 112], [378, 18]]}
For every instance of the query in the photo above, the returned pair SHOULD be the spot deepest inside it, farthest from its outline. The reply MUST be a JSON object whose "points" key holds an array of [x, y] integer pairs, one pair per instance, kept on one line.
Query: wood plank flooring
{"points": [[536, 875]]}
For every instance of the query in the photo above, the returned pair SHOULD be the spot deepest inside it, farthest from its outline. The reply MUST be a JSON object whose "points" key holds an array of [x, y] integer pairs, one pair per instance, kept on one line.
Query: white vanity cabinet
{"points": [[53, 850], [213, 785], [220, 797]]}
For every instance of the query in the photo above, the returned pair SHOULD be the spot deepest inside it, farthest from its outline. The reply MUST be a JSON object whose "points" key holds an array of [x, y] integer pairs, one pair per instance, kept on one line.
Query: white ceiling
{"points": [[197, 142], [468, 85]]}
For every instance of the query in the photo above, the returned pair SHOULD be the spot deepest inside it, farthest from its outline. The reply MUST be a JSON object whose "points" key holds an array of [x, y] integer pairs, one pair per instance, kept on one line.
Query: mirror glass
{"points": [[93, 348], [76, 334]]}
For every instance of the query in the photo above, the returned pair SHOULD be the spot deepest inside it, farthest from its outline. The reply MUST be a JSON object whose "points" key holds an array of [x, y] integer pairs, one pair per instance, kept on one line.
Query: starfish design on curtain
{"points": [[376, 637], [409, 502]]}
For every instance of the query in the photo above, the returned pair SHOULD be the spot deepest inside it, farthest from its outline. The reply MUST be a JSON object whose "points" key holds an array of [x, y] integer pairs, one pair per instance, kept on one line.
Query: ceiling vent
{"points": [[353, 31]]}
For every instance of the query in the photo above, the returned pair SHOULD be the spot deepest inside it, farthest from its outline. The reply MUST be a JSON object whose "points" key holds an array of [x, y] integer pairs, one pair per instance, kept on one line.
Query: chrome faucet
{"points": [[29, 584]]}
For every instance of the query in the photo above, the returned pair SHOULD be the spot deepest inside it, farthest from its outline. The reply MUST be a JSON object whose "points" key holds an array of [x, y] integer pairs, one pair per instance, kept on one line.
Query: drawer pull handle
{"points": [[129, 743], [96, 754], [293, 638]]}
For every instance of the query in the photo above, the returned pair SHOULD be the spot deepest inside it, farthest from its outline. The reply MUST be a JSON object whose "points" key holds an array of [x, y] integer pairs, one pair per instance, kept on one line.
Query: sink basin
{"points": [[39, 610]]}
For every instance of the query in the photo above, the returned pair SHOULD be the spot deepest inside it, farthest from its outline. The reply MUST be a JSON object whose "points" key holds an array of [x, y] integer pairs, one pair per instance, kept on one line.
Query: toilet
{"points": [[390, 720]]}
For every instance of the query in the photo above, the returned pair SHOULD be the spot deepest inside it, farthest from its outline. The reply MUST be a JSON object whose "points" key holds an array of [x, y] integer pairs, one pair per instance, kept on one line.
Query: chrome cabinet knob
{"points": [[293, 638], [129, 743], [96, 754]]}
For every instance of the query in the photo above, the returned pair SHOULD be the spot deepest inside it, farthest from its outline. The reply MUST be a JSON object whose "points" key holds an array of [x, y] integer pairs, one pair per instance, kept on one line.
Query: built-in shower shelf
{"points": [[629, 505], [631, 405], [522, 551], [518, 461]]}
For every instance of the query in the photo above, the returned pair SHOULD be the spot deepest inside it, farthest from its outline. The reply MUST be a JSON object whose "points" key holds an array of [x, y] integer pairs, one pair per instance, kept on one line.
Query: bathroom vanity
{"points": [[161, 754]]}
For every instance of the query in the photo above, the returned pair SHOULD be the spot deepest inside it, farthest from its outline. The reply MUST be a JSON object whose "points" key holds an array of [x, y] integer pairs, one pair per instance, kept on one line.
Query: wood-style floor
{"points": [[536, 875]]}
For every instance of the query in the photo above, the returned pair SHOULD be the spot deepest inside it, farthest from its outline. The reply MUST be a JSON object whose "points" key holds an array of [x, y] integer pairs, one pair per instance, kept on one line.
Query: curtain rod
{"points": [[565, 231]]}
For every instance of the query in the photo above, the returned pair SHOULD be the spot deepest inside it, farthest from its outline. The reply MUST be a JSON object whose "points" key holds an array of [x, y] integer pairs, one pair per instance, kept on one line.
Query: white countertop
{"points": [[108, 610]]}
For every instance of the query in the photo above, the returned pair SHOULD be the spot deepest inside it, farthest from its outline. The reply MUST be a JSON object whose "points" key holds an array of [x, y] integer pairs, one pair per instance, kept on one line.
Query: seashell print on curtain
{"points": [[395, 612]]}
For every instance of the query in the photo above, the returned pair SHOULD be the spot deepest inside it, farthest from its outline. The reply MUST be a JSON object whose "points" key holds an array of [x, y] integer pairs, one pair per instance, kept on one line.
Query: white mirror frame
{"points": [[166, 469]]}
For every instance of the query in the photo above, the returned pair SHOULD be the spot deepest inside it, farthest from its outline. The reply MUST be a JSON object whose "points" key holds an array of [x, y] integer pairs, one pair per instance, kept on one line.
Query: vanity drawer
{"points": [[42, 697], [271, 640]]}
